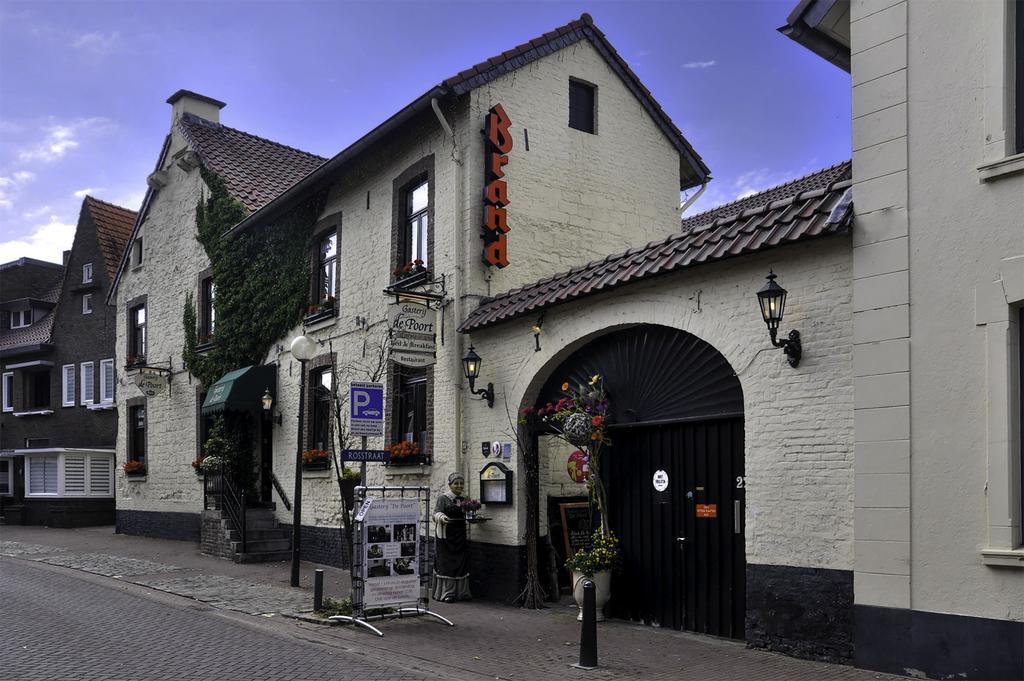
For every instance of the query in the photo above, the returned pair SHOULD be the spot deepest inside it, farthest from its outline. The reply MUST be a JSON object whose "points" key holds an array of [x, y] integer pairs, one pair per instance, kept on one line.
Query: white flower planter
{"points": [[603, 591]]}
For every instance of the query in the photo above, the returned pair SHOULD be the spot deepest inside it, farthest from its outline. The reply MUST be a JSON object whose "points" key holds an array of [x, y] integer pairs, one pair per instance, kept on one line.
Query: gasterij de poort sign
{"points": [[413, 333]]}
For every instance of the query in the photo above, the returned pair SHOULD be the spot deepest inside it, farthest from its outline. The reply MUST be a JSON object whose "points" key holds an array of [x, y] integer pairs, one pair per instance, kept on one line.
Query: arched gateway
{"points": [[676, 406]]}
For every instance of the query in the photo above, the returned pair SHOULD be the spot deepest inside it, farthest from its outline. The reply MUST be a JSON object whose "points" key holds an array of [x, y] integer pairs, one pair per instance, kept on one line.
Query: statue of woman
{"points": [[451, 563]]}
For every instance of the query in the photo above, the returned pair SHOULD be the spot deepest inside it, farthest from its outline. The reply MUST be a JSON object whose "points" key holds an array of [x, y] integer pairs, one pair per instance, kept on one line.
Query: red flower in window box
{"points": [[405, 451], [134, 467], [315, 456]]}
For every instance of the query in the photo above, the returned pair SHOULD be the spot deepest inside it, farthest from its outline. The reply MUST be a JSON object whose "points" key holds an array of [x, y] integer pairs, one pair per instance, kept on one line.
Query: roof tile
{"points": [[795, 211], [113, 229]]}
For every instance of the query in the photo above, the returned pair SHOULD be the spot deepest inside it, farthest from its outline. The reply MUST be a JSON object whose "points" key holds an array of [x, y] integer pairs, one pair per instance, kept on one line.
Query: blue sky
{"points": [[83, 86]]}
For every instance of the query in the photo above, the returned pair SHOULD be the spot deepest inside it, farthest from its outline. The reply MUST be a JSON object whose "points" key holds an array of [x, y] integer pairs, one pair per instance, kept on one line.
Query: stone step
{"points": [[262, 545], [263, 557], [256, 534]]}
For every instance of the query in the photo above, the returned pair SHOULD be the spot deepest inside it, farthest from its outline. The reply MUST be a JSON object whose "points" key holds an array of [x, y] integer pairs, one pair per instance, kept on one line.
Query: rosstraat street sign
{"points": [[366, 409]]}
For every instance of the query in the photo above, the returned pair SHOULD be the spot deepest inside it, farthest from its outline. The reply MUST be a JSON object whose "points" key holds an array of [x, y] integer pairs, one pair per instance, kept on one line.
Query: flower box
{"points": [[134, 468], [316, 460]]}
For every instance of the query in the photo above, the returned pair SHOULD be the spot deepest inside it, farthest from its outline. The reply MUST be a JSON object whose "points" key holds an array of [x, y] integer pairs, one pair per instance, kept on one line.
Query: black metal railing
{"points": [[230, 500], [280, 491]]}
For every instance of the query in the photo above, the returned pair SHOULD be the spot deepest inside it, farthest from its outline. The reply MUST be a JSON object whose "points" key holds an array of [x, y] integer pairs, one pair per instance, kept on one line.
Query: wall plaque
{"points": [[496, 484]]}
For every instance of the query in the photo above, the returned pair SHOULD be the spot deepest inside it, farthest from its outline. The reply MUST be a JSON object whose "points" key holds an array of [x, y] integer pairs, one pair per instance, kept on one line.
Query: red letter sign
{"points": [[498, 144]]}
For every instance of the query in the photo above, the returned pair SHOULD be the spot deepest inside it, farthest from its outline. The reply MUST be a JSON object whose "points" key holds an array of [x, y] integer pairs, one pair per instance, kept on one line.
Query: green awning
{"points": [[241, 389]]}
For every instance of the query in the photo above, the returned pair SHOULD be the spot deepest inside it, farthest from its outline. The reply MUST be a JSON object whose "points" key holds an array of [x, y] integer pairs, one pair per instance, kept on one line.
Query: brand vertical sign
{"points": [[498, 142]]}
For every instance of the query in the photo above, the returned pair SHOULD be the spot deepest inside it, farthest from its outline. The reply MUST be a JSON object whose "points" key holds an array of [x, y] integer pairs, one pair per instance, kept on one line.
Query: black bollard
{"points": [[318, 590], [588, 634]]}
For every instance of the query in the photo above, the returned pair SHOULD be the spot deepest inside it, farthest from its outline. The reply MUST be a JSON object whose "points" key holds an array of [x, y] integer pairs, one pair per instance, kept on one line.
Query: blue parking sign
{"points": [[366, 409]]}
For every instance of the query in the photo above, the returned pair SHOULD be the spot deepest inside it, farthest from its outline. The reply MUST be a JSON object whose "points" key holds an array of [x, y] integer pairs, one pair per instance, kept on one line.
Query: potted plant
{"points": [[197, 464], [596, 564], [316, 459], [134, 468], [410, 274], [469, 508], [404, 452]]}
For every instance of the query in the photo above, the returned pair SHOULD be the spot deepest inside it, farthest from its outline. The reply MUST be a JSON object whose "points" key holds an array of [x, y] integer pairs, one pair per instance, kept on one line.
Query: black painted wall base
{"points": [[936, 645], [159, 524], [59, 512], [321, 545], [803, 612]]}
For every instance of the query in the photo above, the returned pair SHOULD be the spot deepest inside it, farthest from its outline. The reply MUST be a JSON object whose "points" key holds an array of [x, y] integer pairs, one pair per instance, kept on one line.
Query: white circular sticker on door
{"points": [[660, 481]]}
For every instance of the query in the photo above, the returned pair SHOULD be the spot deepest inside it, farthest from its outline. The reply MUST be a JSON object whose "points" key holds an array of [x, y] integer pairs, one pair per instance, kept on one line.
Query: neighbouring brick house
{"points": [[59, 380]]}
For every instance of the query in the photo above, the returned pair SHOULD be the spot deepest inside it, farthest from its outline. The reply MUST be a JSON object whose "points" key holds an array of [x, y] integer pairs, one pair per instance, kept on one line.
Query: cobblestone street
{"points": [[111, 626]]}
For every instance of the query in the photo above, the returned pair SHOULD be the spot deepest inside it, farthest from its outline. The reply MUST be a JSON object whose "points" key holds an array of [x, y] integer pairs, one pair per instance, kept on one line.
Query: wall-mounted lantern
{"points": [[772, 299], [268, 405], [471, 367], [536, 329]]}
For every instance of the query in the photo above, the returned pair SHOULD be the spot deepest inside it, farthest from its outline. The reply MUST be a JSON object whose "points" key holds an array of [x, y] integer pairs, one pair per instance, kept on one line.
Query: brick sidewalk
{"points": [[491, 640]]}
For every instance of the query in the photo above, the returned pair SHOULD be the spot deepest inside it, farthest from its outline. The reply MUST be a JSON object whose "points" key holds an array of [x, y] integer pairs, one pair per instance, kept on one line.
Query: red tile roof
{"points": [[813, 206], [564, 36], [255, 169], [113, 229]]}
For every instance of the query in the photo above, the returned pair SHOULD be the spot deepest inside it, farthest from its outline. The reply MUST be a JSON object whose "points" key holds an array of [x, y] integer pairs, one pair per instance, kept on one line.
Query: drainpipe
{"points": [[689, 202], [459, 285]]}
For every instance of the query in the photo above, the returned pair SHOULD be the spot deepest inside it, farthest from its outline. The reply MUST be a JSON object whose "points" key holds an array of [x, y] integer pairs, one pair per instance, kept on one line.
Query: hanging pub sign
{"points": [[413, 333], [498, 142], [152, 381]]}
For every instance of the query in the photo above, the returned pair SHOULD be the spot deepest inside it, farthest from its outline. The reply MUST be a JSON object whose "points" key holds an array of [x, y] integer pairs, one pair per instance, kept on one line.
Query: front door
{"points": [[676, 502]]}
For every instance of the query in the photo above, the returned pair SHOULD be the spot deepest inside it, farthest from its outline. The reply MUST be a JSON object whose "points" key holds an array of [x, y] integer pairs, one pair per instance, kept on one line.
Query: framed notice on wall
{"points": [[576, 528]]}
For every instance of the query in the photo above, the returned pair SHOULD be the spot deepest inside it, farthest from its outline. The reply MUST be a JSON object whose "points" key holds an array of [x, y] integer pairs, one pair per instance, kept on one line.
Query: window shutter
{"points": [[42, 475], [69, 386], [99, 475], [74, 474], [88, 383], [107, 381]]}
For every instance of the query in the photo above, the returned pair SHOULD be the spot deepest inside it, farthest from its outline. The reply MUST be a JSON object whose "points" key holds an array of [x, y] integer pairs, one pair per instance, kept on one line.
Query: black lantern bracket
{"points": [[471, 369], [772, 300]]}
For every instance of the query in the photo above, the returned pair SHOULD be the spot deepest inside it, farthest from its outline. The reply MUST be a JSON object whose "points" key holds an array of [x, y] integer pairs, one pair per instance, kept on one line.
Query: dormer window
{"points": [[582, 106], [21, 318], [87, 273]]}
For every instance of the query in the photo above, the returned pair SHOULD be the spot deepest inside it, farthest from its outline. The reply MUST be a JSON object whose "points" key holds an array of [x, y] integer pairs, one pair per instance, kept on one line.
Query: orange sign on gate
{"points": [[707, 510]]}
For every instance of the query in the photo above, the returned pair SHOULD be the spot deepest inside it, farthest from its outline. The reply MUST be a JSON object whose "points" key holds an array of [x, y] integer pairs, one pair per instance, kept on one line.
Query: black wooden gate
{"points": [[677, 407], [683, 550]]}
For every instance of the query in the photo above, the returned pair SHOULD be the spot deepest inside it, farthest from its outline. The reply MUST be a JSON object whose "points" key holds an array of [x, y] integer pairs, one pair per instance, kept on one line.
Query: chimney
{"points": [[186, 101]]}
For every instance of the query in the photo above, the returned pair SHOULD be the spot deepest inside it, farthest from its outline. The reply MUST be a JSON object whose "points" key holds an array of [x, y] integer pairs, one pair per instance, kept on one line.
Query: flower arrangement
{"points": [[402, 452], [602, 555], [580, 418], [134, 361], [210, 463], [325, 305], [134, 467], [413, 267], [197, 464], [312, 457], [469, 505]]}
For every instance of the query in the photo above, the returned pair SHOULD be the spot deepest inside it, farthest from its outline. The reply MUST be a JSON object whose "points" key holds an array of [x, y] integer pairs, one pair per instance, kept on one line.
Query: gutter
{"points": [[322, 174]]}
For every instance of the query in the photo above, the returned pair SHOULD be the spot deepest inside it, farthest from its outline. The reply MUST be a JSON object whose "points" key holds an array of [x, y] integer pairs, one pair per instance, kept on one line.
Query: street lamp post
{"points": [[303, 349]]}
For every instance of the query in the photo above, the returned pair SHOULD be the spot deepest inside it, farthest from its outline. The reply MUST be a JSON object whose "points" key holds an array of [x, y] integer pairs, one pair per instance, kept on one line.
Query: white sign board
{"points": [[152, 382], [366, 408], [413, 333], [391, 552], [660, 481]]}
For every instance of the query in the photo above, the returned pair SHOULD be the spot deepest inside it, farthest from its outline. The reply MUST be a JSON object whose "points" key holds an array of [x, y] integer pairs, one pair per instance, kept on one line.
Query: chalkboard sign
{"points": [[576, 529]]}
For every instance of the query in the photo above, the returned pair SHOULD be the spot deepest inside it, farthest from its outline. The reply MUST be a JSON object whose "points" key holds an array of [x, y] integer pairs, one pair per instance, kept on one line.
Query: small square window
{"points": [[87, 303], [582, 105], [137, 252], [87, 273]]}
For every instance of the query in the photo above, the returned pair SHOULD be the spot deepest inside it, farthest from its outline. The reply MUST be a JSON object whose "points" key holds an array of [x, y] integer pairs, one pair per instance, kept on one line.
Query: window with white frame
{"points": [[8, 391], [88, 475], [87, 303], [88, 383], [67, 385], [5, 478], [107, 379], [87, 273], [21, 318], [41, 475]]}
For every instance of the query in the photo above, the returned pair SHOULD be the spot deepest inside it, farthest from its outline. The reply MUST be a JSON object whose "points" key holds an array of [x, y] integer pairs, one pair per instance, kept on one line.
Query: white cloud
{"points": [[699, 64], [129, 200], [60, 138], [33, 214], [82, 193], [11, 185], [97, 43], [46, 242]]}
